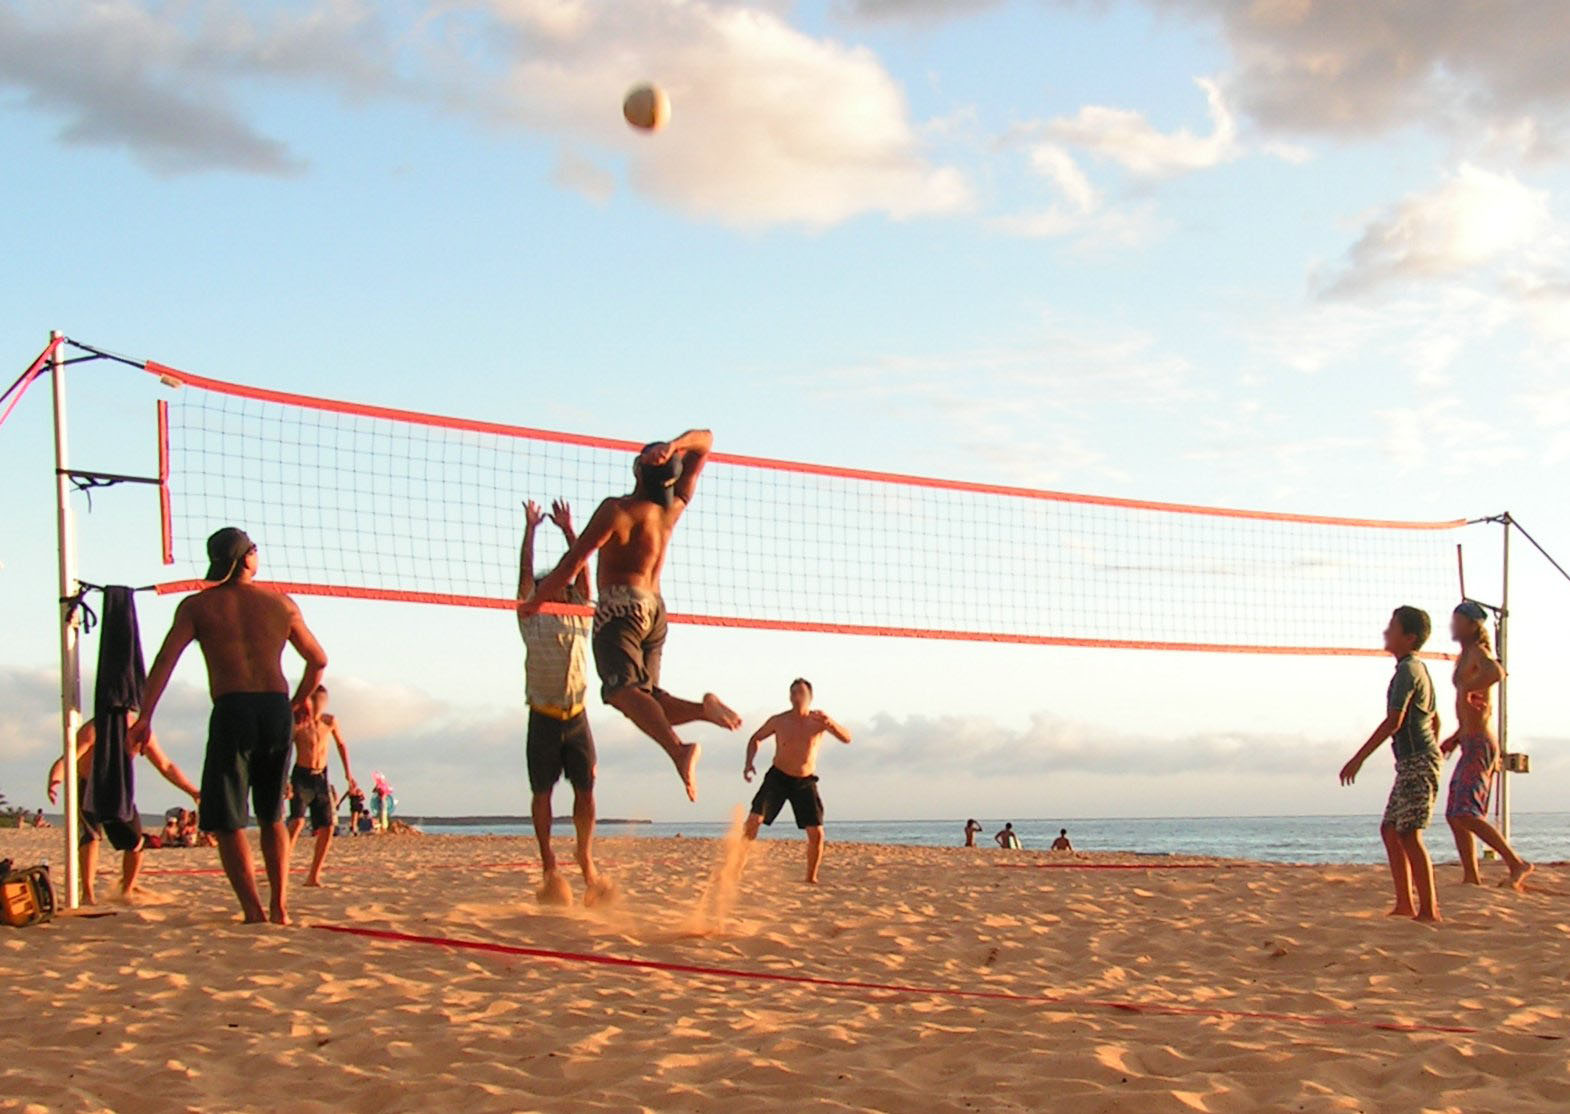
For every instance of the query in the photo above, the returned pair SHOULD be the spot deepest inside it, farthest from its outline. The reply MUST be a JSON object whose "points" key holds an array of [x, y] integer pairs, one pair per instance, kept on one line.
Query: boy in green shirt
{"points": [[1412, 724]]}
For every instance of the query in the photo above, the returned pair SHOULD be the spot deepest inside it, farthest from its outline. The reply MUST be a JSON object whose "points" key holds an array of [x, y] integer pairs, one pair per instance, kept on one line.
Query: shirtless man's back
{"points": [[242, 630], [631, 534], [792, 776]]}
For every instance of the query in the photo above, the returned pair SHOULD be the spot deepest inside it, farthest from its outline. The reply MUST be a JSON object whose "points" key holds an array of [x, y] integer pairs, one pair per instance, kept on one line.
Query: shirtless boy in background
{"points": [[797, 735], [309, 792], [124, 837]]}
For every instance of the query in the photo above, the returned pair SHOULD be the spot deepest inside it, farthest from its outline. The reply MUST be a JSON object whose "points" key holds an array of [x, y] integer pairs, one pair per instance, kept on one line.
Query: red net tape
{"points": [[366, 501]]}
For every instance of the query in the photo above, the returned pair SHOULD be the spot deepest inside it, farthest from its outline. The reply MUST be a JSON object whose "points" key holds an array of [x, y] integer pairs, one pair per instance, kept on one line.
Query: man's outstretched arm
{"points": [[594, 535], [752, 747], [171, 773], [343, 754], [181, 634], [305, 644]]}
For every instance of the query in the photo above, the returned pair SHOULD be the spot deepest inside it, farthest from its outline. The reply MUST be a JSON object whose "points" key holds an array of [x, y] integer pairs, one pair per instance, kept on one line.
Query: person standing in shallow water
{"points": [[242, 630], [1476, 673], [972, 830]]}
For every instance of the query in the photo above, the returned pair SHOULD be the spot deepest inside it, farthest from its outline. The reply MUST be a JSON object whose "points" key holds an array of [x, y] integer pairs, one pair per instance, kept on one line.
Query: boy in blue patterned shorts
{"points": [[1412, 724]]}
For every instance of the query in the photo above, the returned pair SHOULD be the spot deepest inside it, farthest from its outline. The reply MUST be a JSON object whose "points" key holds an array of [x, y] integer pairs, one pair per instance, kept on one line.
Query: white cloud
{"points": [[1127, 138], [770, 124], [1475, 218]]}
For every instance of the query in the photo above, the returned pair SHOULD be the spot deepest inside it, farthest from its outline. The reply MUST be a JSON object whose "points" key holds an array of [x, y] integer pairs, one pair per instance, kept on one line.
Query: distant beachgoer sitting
{"points": [[1007, 839], [1062, 843], [170, 836], [972, 830], [39, 821]]}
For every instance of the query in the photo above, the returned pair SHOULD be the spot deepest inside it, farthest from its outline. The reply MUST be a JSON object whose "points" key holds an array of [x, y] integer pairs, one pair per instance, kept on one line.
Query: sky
{"points": [[1304, 256]]}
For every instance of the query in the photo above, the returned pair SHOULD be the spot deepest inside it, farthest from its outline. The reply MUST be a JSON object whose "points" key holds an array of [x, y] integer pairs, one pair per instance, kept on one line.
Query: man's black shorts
{"points": [[559, 746], [313, 794], [802, 793], [248, 740], [629, 639], [123, 835]]}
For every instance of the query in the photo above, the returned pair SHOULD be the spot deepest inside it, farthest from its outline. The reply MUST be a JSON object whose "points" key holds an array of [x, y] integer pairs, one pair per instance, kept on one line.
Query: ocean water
{"points": [[1539, 836]]}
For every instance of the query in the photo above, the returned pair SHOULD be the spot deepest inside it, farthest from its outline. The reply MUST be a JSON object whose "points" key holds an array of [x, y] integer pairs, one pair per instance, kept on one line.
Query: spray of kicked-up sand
{"points": [[711, 915]]}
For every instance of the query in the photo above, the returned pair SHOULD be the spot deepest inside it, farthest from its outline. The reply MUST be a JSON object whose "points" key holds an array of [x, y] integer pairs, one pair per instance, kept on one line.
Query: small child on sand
{"points": [[1412, 724]]}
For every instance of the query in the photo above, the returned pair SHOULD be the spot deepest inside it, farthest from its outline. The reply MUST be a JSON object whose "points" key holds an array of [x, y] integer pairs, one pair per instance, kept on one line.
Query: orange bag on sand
{"points": [[26, 896]]}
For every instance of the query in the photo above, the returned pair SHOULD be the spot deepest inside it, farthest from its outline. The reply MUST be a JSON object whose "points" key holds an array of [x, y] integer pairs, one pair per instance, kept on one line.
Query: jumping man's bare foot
{"points": [[279, 915], [717, 713], [554, 890], [313, 882], [687, 766], [601, 891], [1518, 876]]}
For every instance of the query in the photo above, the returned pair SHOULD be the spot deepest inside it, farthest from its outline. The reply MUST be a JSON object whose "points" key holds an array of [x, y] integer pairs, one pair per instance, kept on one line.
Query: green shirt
{"points": [[1413, 689]]}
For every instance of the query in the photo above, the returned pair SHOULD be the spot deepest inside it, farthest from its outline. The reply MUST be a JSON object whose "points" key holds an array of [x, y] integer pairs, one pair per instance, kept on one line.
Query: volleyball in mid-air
{"points": [[647, 107]]}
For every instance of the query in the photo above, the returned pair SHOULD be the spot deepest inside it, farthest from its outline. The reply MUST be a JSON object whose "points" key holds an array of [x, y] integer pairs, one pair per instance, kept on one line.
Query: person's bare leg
{"points": [[1466, 848], [710, 710], [1422, 876], [648, 715], [598, 889], [275, 855], [295, 828], [130, 867], [324, 840], [1483, 830], [553, 887], [87, 855], [815, 842], [234, 851], [1400, 873]]}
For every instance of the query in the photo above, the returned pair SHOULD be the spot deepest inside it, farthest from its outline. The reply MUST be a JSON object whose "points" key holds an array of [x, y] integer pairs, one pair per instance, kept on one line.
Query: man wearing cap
{"points": [[631, 534], [242, 630]]}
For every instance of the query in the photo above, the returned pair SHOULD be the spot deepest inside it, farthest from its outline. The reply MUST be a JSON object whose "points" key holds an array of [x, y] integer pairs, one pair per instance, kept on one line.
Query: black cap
{"points": [[225, 550], [1472, 610]]}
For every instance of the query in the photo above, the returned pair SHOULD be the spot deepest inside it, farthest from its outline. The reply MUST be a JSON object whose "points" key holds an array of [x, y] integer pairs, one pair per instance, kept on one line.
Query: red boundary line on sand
{"points": [[392, 595], [176, 377], [1120, 866], [349, 868], [1158, 1008]]}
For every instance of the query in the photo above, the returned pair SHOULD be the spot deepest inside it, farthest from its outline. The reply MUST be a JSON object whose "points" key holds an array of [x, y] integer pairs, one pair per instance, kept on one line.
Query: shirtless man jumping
{"points": [[242, 630], [797, 735], [632, 533], [308, 788]]}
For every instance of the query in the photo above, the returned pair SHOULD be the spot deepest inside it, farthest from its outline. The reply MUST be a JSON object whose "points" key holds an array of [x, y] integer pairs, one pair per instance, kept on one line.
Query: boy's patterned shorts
{"points": [[1412, 797]]}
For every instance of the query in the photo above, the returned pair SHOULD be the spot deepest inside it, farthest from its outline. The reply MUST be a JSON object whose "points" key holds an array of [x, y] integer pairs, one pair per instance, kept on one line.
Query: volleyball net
{"points": [[364, 501]]}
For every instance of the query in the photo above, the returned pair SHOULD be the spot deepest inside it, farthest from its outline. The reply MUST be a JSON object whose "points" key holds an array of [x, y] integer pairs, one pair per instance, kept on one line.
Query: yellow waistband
{"points": [[562, 714]]}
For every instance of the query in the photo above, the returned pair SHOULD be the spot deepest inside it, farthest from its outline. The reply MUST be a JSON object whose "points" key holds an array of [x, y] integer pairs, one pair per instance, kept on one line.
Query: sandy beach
{"points": [[951, 982]]}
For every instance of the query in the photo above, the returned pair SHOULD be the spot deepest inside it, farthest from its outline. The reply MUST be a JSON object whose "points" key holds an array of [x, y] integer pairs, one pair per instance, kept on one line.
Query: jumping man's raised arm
{"points": [[693, 447]]}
